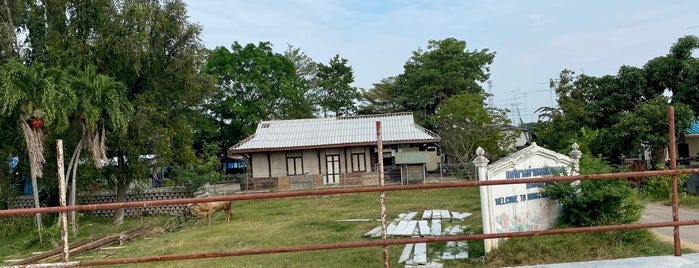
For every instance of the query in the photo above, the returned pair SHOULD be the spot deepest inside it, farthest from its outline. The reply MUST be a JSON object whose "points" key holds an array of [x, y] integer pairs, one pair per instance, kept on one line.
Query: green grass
{"points": [[687, 201], [314, 220], [684, 200], [578, 247], [278, 223]]}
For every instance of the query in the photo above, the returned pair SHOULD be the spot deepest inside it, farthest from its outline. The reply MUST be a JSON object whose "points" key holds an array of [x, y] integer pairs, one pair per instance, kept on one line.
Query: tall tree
{"points": [[334, 95], [678, 72], [444, 70], [647, 126], [11, 15], [101, 107], [254, 84], [623, 110], [147, 46], [381, 98], [156, 53], [38, 98], [306, 70], [464, 123]]}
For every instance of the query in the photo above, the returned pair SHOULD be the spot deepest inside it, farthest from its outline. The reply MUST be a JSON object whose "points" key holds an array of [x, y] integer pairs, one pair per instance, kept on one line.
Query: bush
{"points": [[659, 188], [203, 171], [595, 202], [15, 224]]}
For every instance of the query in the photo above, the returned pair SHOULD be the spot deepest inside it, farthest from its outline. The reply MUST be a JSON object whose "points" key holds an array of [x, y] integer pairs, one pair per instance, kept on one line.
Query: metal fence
{"points": [[673, 172], [174, 257]]}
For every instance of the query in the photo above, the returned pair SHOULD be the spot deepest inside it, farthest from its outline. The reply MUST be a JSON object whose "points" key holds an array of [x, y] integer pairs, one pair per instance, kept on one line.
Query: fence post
{"points": [[62, 200], [481, 163], [673, 166], [575, 155], [379, 149]]}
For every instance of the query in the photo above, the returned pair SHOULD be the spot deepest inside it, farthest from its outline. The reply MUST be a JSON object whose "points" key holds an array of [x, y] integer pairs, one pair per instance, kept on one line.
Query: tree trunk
{"points": [[4, 186], [73, 194], [659, 156], [35, 193], [72, 167], [122, 187]]}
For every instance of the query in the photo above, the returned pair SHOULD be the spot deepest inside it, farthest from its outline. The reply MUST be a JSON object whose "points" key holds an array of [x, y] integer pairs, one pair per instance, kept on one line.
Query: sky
{"points": [[533, 40]]}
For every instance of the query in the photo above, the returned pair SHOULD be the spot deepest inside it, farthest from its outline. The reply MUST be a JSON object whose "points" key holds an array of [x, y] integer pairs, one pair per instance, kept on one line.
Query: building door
{"points": [[332, 166]]}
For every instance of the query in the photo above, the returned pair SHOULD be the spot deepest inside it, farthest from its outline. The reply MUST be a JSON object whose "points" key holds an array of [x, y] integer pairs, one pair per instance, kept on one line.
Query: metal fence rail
{"points": [[175, 257], [343, 191], [673, 172]]}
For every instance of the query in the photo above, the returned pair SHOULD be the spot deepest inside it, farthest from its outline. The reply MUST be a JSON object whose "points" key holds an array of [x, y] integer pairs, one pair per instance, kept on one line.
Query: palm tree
{"points": [[100, 103], [40, 98]]}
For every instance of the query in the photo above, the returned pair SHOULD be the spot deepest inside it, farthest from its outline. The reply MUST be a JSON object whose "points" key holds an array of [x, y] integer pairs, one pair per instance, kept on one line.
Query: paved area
{"points": [[689, 235]]}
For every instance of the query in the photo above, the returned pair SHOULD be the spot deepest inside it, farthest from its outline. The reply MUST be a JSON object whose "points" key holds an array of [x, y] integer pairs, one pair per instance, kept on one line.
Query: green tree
{"points": [[11, 15], [306, 68], [444, 70], [254, 84], [156, 53], [678, 72], [626, 110], [647, 126], [101, 107], [147, 46], [557, 127], [38, 98], [464, 123], [381, 98], [334, 95]]}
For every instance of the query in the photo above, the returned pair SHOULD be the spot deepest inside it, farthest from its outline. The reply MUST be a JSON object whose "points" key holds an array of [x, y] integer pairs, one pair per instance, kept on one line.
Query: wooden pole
{"points": [[384, 236], [62, 200]]}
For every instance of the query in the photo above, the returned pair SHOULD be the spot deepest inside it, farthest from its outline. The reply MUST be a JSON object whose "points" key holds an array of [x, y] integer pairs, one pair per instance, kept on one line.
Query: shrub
{"points": [[595, 202], [15, 224], [194, 176], [659, 188]]}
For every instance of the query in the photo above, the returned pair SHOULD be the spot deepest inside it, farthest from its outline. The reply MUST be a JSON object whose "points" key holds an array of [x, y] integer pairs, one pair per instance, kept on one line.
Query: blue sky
{"points": [[533, 40]]}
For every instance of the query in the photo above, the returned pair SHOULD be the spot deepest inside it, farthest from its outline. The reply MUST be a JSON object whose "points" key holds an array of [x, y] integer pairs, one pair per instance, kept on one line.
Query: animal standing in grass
{"points": [[208, 208]]}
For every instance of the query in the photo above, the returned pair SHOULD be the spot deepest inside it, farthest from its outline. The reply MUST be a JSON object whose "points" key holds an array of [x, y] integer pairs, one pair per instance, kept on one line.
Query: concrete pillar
{"points": [[575, 155], [481, 164]]}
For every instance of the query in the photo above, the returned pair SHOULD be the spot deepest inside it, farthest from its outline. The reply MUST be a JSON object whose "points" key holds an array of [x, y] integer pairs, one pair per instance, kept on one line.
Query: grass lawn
{"points": [[315, 220], [687, 201], [282, 222]]}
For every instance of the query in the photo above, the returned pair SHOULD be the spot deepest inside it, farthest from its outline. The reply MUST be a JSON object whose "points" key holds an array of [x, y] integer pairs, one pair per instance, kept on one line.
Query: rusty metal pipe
{"points": [[342, 191], [673, 166], [375, 243]]}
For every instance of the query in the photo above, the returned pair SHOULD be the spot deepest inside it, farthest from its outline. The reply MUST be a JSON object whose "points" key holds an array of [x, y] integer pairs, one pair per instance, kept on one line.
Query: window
{"points": [[358, 159], [294, 163]]}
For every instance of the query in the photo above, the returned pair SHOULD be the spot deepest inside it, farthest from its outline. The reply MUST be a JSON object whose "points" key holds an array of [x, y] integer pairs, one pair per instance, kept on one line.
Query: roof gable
{"points": [[526, 156], [324, 132]]}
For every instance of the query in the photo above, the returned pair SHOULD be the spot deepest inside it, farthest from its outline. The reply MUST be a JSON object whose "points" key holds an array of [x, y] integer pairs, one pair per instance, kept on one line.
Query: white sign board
{"points": [[521, 207]]}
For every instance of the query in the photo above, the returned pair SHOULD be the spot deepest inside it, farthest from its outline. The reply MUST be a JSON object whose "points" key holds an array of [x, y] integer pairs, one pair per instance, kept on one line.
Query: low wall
{"points": [[310, 181], [109, 196]]}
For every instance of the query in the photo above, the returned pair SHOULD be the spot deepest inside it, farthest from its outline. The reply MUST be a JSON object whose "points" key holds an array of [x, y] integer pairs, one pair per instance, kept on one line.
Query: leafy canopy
{"points": [[254, 84]]}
